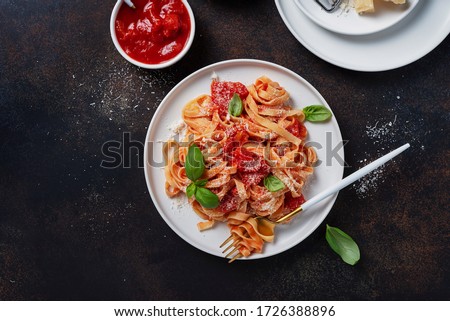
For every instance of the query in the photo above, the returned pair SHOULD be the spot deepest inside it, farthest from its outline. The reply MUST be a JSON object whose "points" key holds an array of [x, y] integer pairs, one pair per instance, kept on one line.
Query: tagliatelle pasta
{"points": [[266, 140]]}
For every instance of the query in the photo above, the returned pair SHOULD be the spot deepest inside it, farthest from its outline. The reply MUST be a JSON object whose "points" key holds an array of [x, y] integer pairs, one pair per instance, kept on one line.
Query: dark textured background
{"points": [[70, 229]]}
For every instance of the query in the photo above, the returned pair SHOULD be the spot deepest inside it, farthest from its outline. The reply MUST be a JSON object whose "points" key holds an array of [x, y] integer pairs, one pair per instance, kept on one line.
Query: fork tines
{"points": [[233, 248]]}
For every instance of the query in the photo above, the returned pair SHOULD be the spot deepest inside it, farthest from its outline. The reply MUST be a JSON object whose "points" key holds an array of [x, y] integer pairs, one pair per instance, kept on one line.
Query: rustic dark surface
{"points": [[71, 230]]}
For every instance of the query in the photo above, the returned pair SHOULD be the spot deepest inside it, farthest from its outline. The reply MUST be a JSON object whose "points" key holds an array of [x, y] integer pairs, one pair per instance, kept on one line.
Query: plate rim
{"points": [[308, 14], [158, 114], [421, 52]]}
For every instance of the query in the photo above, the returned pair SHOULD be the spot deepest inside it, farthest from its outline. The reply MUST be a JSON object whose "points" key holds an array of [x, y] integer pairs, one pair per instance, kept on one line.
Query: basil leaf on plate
{"points": [[191, 189], [343, 245], [273, 183], [206, 198], [201, 182], [316, 113], [195, 164], [235, 105]]}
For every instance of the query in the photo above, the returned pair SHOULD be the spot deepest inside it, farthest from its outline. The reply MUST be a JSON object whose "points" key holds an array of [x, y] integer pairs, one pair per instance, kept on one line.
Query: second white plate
{"points": [[409, 40]]}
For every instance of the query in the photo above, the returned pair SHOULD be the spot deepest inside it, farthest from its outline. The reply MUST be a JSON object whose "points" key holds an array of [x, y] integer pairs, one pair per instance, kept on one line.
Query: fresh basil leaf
{"points": [[235, 105], [191, 189], [343, 245], [195, 165], [201, 182], [273, 183], [206, 198], [316, 113]]}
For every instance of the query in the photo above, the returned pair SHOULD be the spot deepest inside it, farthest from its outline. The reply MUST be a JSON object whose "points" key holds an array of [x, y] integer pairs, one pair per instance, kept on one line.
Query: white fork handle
{"points": [[353, 177]]}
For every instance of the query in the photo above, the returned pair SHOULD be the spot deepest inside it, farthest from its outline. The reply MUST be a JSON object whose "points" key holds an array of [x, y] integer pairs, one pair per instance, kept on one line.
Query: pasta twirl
{"points": [[266, 139]]}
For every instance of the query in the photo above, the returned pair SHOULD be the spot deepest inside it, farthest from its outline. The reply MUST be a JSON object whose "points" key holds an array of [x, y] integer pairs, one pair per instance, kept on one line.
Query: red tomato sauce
{"points": [[291, 203], [297, 129], [154, 32], [223, 91], [230, 201]]}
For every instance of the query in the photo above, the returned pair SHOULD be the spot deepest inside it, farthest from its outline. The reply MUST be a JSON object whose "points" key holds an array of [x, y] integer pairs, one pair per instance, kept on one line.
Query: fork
{"points": [[233, 249], [329, 5], [262, 223]]}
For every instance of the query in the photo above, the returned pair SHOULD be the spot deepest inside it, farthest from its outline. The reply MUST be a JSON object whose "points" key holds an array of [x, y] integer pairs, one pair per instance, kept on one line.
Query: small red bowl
{"points": [[163, 64]]}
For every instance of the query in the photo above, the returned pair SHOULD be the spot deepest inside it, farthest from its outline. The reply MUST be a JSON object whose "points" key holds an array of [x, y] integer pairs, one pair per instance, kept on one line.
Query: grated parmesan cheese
{"points": [[177, 127]]}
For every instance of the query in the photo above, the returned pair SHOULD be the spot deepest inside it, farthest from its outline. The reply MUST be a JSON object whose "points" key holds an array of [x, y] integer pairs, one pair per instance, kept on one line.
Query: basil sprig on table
{"points": [[316, 113], [195, 166], [343, 245], [273, 183], [235, 106]]}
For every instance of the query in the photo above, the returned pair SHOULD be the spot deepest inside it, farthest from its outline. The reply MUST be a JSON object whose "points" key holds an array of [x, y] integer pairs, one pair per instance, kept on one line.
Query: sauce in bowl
{"points": [[155, 32]]}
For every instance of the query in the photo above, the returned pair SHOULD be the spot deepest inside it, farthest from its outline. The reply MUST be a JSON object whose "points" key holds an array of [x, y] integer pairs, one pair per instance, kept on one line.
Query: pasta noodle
{"points": [[266, 139]]}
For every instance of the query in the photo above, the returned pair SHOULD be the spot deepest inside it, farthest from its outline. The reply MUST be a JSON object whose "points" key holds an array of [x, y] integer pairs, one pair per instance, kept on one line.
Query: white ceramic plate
{"points": [[407, 41], [178, 213], [346, 21]]}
